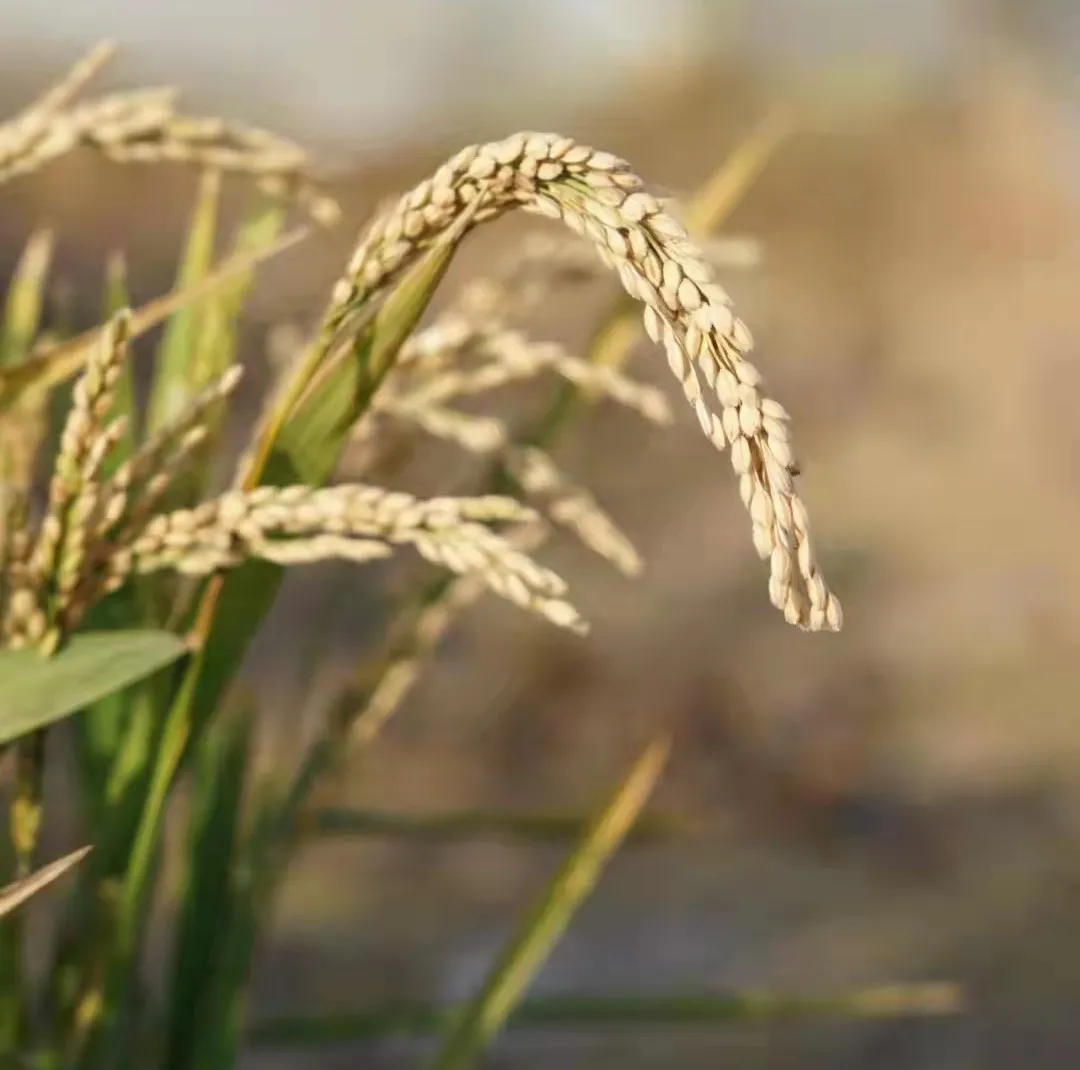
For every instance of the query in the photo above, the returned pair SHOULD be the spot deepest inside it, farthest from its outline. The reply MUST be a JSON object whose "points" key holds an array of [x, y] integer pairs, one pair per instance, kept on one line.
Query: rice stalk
{"points": [[420, 625]]}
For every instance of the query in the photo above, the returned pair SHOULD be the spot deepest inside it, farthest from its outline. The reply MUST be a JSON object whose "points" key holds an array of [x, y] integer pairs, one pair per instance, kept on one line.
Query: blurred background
{"points": [[901, 801]]}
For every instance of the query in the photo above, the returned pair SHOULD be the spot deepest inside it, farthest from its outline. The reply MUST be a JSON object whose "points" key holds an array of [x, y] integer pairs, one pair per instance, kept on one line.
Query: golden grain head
{"points": [[685, 311]]}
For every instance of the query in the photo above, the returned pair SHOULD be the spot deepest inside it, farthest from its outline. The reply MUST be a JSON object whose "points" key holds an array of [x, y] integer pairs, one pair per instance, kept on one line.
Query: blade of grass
{"points": [[40, 690], [13, 996], [15, 894], [25, 298], [25, 426], [452, 826], [472, 1029], [206, 903], [217, 348], [175, 370], [609, 347], [221, 1037], [916, 999]]}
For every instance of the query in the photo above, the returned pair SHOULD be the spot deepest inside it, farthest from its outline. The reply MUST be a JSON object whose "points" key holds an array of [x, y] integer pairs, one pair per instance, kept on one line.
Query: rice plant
{"points": [[131, 583]]}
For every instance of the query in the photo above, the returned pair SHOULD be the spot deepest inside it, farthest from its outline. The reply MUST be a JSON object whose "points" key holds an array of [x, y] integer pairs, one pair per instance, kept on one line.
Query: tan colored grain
{"points": [[358, 522], [59, 555], [511, 357], [686, 312], [142, 126], [536, 473]]}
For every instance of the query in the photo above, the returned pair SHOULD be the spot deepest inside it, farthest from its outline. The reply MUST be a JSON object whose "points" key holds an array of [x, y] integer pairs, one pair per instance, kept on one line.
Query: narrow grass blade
{"points": [[175, 379], [217, 345], [25, 427], [17, 893], [452, 826], [926, 999], [114, 735], [473, 1028], [25, 299], [51, 365], [713, 204], [206, 904], [222, 1034], [36, 691]]}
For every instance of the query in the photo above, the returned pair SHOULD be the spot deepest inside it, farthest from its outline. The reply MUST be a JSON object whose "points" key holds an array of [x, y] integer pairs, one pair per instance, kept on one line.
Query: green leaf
{"points": [[26, 426], [216, 346], [176, 369], [473, 1028], [218, 341], [196, 1008], [18, 892], [914, 999], [25, 298], [457, 825], [36, 691], [332, 389]]}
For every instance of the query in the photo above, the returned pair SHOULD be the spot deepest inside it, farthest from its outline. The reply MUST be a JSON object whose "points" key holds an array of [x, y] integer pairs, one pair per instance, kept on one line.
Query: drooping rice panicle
{"points": [[686, 311]]}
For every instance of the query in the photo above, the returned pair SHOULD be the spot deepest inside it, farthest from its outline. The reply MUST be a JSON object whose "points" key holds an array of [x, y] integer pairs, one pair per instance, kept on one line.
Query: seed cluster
{"points": [[535, 472], [686, 311], [509, 356], [59, 555], [142, 126], [299, 524], [460, 357]]}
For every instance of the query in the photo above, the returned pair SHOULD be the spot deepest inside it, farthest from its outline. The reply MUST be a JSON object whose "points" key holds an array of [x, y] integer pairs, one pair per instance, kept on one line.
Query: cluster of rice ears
{"points": [[134, 578]]}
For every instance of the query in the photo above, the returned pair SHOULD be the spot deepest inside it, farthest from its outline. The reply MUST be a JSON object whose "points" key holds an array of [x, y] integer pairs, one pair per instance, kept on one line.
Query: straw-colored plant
{"points": [[130, 596]]}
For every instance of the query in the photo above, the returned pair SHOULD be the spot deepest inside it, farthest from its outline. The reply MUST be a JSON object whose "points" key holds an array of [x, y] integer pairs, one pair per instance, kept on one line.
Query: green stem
{"points": [[598, 1012], [477, 825], [24, 816]]}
